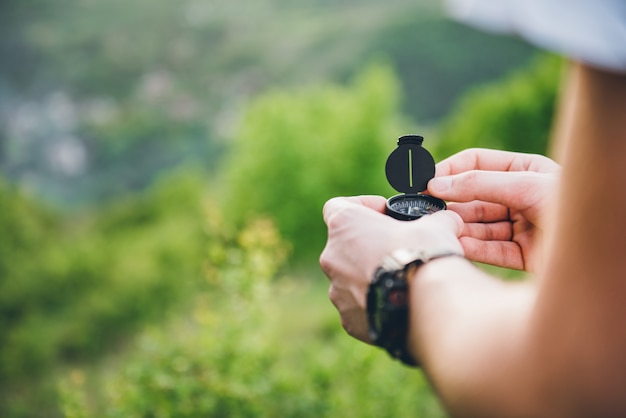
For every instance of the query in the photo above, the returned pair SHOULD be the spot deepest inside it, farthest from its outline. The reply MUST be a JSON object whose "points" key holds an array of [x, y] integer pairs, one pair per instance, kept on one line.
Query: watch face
{"points": [[386, 304], [398, 297], [375, 305], [388, 309]]}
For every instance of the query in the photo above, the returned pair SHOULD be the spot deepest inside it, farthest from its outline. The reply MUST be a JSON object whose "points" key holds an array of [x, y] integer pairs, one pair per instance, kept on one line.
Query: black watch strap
{"points": [[388, 301], [388, 312]]}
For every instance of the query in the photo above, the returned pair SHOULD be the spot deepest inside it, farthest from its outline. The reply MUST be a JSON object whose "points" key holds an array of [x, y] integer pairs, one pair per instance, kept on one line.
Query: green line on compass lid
{"points": [[410, 166]]}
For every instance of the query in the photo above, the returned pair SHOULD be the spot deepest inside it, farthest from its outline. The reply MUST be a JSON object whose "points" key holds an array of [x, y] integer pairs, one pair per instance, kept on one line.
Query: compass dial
{"points": [[413, 206]]}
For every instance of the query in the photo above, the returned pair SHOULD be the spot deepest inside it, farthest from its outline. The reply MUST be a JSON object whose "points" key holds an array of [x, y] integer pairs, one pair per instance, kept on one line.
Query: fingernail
{"points": [[440, 184]]}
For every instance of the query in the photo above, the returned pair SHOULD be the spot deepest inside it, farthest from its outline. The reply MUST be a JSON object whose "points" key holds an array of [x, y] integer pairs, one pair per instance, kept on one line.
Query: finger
{"points": [[497, 231], [502, 254], [478, 211], [494, 160], [337, 204], [373, 202], [517, 190], [474, 159]]}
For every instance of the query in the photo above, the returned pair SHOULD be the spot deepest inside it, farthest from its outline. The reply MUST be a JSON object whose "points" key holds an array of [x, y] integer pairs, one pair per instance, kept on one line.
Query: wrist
{"points": [[388, 299], [426, 284]]}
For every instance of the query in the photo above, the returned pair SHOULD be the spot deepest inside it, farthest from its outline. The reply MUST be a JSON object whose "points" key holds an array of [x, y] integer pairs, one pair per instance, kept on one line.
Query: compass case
{"points": [[409, 168]]}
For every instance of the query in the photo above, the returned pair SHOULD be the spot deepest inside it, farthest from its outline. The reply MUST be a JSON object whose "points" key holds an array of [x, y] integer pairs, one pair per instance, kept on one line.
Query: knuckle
{"points": [[325, 262], [332, 208]]}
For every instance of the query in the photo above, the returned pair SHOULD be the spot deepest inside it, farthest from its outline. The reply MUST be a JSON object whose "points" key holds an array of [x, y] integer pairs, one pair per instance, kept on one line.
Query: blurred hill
{"points": [[98, 99]]}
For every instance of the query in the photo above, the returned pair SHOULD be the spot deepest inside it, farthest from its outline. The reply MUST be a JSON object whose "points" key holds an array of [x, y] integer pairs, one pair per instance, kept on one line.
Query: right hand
{"points": [[501, 197]]}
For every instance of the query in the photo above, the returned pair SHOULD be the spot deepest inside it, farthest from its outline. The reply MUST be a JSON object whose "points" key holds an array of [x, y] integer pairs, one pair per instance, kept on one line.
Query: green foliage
{"points": [[251, 348], [27, 230], [296, 149], [513, 114], [70, 290]]}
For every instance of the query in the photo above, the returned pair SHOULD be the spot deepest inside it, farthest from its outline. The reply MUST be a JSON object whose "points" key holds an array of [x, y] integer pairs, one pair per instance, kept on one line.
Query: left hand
{"points": [[360, 236]]}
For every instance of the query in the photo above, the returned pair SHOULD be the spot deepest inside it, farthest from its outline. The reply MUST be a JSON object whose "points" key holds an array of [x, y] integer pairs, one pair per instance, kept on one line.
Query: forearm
{"points": [[468, 330], [578, 324], [553, 347]]}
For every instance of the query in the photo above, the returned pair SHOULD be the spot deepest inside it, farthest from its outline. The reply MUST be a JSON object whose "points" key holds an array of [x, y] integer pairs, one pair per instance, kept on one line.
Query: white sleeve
{"points": [[592, 31]]}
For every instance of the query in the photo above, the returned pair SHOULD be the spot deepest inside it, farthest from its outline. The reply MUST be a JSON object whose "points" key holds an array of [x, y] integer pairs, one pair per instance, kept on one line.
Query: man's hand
{"points": [[360, 236], [502, 197]]}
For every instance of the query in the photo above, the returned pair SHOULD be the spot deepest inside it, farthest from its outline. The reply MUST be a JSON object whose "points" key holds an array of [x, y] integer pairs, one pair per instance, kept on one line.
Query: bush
{"points": [[70, 290], [251, 348]]}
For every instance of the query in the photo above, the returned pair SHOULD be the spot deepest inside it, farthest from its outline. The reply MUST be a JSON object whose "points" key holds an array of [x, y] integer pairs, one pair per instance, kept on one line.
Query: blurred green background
{"points": [[163, 165]]}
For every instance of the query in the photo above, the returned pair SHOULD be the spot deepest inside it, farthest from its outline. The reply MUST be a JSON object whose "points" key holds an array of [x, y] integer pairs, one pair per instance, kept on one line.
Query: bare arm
{"points": [[555, 346]]}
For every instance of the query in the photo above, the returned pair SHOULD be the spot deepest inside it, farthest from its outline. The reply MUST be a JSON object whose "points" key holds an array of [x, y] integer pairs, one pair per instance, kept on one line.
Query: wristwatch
{"points": [[388, 300]]}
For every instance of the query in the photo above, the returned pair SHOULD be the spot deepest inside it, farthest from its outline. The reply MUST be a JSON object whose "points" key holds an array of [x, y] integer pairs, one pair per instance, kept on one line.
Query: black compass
{"points": [[409, 168]]}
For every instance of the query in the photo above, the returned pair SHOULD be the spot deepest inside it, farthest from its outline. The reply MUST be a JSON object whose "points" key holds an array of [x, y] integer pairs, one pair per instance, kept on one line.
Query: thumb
{"points": [[511, 189], [448, 219]]}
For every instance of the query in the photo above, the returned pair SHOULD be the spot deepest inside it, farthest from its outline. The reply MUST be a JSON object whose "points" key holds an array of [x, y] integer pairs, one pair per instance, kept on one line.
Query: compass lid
{"points": [[410, 166]]}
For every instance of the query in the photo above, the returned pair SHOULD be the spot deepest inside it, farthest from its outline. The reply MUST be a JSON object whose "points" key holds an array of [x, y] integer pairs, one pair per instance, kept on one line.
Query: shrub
{"points": [[72, 289], [244, 353]]}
